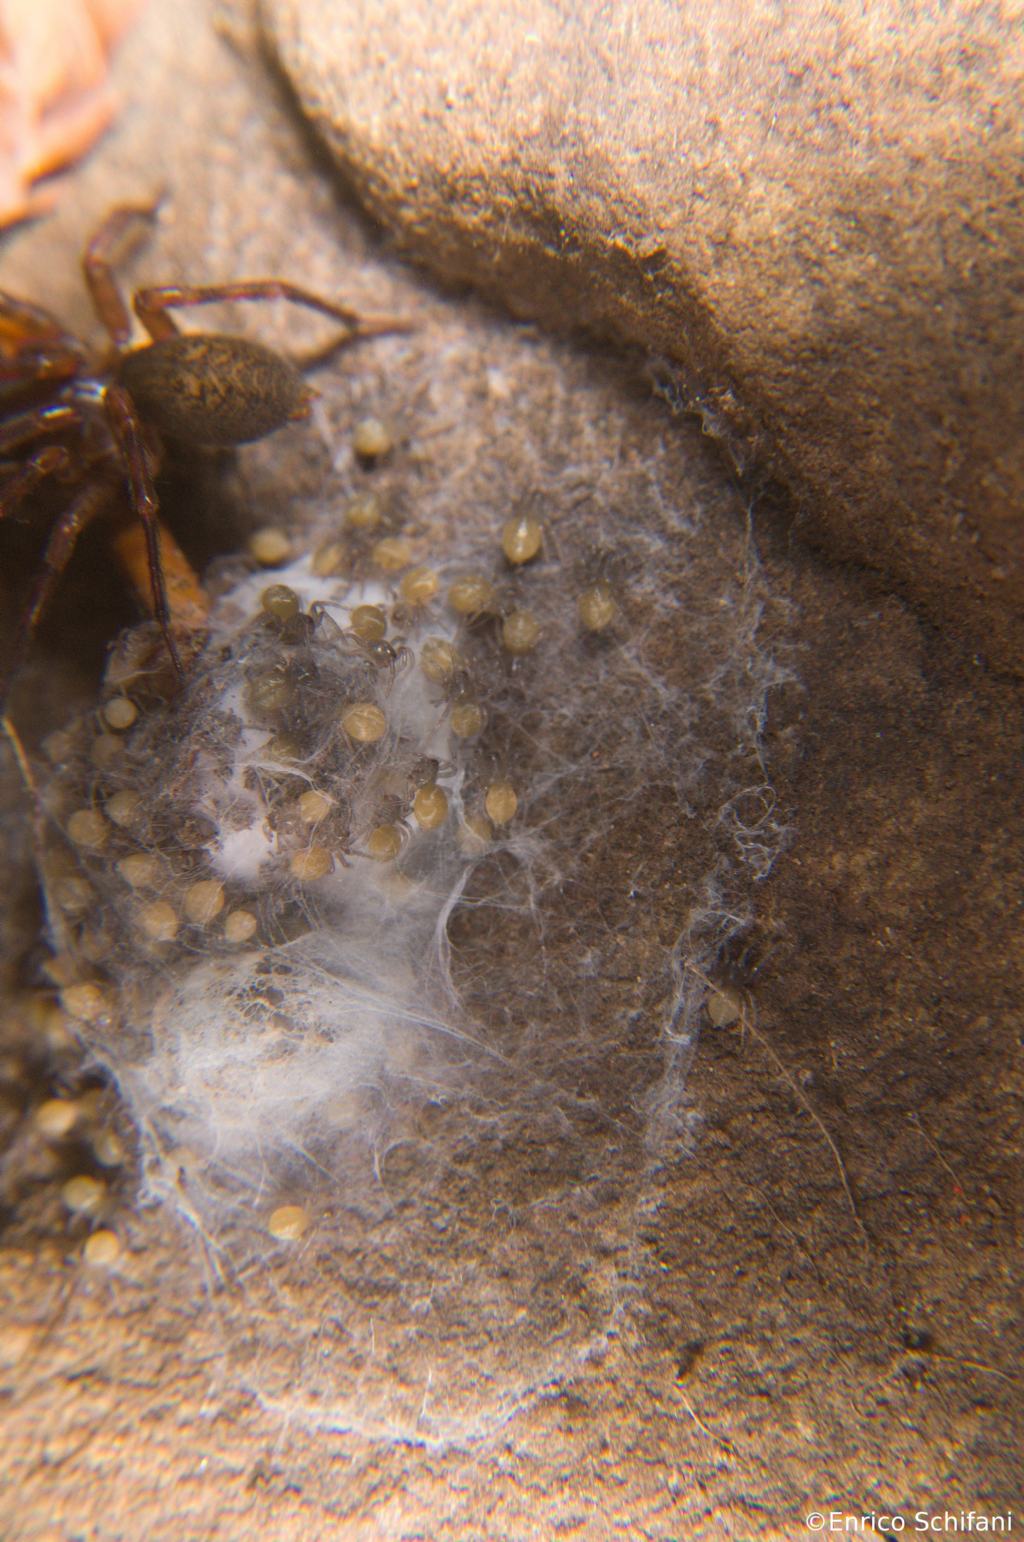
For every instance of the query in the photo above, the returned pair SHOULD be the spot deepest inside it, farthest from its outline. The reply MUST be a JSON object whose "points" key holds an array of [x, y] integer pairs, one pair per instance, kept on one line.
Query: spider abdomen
{"points": [[213, 390]]}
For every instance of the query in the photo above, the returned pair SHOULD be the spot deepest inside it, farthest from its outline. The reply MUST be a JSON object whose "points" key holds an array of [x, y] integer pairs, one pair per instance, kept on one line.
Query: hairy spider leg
{"points": [[34, 348], [44, 463], [120, 230], [23, 325], [127, 431], [26, 426], [186, 598], [152, 306], [160, 565], [36, 366], [61, 543]]}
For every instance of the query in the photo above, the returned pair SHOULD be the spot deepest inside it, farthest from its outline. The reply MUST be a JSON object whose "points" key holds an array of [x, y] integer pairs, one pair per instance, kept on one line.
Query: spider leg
{"points": [[34, 347], [186, 598], [44, 463], [22, 323], [107, 246], [23, 427], [63, 538], [152, 307], [34, 365], [127, 431]]}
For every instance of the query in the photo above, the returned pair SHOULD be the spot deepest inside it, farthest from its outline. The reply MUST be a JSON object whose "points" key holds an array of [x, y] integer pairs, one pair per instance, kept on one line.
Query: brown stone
{"points": [[814, 214], [761, 1337]]}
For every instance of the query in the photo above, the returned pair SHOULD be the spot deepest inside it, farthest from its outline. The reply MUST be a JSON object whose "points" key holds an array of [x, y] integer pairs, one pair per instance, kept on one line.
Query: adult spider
{"points": [[99, 424]]}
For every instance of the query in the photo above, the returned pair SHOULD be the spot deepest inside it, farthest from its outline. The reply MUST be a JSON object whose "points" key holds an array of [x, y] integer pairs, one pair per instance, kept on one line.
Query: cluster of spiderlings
{"points": [[63, 1148], [345, 733], [454, 789], [339, 763]]}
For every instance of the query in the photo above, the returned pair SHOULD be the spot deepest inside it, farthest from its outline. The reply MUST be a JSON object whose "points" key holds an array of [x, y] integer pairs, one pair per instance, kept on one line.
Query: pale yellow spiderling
{"points": [[88, 828], [73, 896], [467, 719], [364, 512], [203, 901], [419, 586], [521, 539], [597, 607], [159, 921], [364, 722], [313, 863], [52, 1022], [270, 547], [105, 750], [87, 1002], [58, 746], [391, 553], [120, 713], [313, 806], [439, 659], [240, 926], [520, 632], [430, 807], [383, 843], [84, 1195], [288, 1223], [57, 1117], [102, 1248], [329, 559], [108, 1148], [90, 1102], [372, 439], [723, 1007], [140, 869], [123, 808], [501, 802], [472, 595]]}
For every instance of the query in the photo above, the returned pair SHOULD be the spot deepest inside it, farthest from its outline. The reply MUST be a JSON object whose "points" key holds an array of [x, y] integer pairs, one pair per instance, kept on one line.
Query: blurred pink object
{"points": [[55, 97]]}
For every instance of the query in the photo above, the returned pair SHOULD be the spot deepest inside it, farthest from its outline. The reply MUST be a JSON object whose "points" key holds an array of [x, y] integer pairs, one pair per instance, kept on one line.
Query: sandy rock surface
{"points": [[809, 1303], [815, 216]]}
